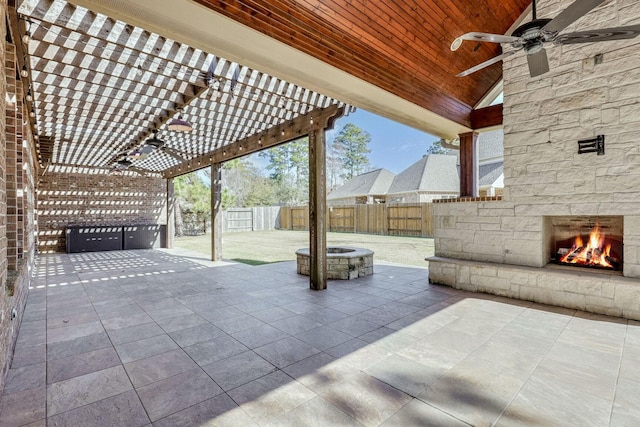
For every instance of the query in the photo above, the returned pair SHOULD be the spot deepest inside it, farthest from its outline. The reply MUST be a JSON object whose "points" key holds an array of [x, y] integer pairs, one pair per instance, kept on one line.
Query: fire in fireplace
{"points": [[596, 252], [594, 242]]}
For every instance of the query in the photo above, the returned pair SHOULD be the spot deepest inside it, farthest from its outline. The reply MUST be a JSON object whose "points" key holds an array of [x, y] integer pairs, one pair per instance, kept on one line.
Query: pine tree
{"points": [[335, 166], [289, 167], [352, 142]]}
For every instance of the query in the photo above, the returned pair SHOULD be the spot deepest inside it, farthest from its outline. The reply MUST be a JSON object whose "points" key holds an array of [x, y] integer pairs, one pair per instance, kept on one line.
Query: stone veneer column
{"points": [[502, 247]]}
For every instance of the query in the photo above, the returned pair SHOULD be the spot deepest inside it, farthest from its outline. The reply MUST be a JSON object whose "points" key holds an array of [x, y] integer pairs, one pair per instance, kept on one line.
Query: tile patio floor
{"points": [[164, 337]]}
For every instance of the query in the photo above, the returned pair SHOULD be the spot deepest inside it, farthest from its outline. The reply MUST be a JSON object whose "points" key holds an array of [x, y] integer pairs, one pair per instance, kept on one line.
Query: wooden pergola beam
{"points": [[285, 132], [486, 117]]}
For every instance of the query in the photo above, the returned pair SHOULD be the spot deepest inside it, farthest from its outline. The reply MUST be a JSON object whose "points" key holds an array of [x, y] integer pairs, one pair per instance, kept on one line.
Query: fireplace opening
{"points": [[590, 242]]}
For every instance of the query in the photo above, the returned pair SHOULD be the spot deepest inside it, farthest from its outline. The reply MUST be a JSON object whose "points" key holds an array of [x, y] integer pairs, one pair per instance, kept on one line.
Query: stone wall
{"points": [[70, 196], [544, 118]]}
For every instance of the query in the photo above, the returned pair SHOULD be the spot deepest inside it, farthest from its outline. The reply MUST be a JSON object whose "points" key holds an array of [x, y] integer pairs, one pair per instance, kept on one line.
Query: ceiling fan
{"points": [[125, 159], [532, 36]]}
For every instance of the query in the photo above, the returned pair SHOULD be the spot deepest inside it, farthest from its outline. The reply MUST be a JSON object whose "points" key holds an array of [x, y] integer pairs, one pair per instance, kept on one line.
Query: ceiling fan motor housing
{"points": [[532, 36]]}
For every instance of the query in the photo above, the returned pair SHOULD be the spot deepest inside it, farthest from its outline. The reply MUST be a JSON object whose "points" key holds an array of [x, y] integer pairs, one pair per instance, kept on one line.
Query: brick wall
{"points": [[69, 196], [6, 333], [17, 195], [29, 189], [544, 118], [11, 175]]}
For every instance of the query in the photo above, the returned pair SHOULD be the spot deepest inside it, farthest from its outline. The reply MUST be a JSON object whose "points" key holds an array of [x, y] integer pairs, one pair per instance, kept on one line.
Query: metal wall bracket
{"points": [[594, 145]]}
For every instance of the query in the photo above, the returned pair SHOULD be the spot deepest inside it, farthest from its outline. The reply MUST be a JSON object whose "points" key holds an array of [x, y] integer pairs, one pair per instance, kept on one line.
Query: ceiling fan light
{"points": [[455, 45], [180, 125]]}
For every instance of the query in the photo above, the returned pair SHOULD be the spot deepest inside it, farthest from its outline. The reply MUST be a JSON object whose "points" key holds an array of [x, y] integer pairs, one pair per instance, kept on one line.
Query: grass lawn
{"points": [[260, 247]]}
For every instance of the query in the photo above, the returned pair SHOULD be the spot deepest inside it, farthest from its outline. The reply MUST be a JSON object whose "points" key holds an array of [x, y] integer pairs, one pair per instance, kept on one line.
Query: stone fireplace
{"points": [[505, 247]]}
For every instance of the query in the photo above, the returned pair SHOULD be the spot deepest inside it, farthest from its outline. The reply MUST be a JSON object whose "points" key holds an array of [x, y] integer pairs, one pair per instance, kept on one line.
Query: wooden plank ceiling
{"points": [[402, 46], [101, 87]]}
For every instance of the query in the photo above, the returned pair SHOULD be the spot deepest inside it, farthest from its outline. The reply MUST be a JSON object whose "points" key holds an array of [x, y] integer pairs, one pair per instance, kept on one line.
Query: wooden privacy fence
{"points": [[411, 219], [250, 219]]}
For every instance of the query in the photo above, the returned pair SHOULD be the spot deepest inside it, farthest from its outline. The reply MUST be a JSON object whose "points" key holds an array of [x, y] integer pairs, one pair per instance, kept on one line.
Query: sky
{"points": [[393, 146]]}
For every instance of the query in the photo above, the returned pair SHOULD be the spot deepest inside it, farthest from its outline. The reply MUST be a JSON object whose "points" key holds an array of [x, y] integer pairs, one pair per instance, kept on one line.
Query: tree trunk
{"points": [[178, 216]]}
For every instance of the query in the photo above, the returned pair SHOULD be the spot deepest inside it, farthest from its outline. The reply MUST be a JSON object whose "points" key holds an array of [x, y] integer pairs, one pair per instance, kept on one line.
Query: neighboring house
{"points": [[432, 177], [435, 176], [369, 187], [491, 163]]}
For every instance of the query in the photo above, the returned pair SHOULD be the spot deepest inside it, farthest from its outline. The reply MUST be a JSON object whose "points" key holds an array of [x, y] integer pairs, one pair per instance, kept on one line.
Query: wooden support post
{"points": [[468, 164], [216, 211], [317, 209], [171, 215]]}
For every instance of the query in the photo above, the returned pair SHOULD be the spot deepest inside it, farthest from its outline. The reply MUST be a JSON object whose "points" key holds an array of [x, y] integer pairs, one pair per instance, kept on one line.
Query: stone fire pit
{"points": [[343, 262]]}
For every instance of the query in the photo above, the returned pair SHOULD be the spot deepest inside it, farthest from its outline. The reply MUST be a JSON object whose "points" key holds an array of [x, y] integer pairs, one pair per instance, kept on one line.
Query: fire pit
{"points": [[343, 262]]}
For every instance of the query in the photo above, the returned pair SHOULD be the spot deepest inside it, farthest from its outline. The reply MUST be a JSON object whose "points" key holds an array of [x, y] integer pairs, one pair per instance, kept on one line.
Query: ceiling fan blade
{"points": [[538, 63], [483, 37], [604, 34], [487, 63], [211, 71], [575, 11], [139, 170]]}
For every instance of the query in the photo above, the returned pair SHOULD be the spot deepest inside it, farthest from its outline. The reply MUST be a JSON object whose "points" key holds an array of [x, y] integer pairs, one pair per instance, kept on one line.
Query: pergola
{"points": [[104, 78]]}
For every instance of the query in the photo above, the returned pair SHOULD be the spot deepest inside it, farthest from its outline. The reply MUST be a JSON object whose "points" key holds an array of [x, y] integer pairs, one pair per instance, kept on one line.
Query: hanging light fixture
{"points": [[180, 125], [24, 72], [154, 141], [29, 97]]}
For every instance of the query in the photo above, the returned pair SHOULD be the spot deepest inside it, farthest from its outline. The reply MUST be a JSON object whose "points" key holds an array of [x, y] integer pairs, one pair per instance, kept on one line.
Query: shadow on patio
{"points": [[133, 337]]}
